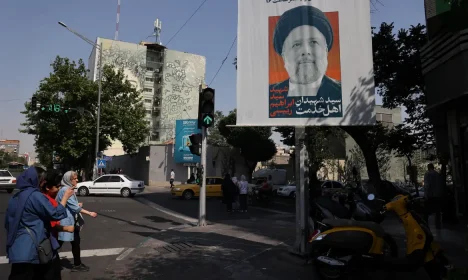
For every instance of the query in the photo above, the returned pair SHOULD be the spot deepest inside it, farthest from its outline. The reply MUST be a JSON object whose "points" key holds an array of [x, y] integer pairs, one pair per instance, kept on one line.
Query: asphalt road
{"points": [[122, 223], [215, 209]]}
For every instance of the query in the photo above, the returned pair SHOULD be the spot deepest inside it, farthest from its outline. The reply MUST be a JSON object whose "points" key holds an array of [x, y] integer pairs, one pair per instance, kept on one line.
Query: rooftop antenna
{"points": [[116, 37], [157, 31]]}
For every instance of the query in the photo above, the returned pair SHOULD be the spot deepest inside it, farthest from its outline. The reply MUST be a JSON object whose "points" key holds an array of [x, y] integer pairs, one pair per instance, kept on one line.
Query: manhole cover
{"points": [[175, 247]]}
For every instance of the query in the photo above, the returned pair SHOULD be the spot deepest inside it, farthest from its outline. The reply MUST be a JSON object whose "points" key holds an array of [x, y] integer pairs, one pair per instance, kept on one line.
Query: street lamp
{"points": [[99, 47]]}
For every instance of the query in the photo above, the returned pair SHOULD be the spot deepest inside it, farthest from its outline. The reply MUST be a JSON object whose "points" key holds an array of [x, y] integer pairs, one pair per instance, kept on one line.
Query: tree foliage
{"points": [[399, 78], [6, 158], [214, 136], [254, 143], [72, 135]]}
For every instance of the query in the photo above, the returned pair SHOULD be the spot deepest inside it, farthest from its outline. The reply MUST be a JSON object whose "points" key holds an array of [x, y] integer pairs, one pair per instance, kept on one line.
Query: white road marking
{"points": [[167, 211], [125, 254], [84, 254]]}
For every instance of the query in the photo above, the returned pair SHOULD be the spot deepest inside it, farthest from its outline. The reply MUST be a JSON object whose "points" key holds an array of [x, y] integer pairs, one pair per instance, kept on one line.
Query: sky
{"points": [[31, 39]]}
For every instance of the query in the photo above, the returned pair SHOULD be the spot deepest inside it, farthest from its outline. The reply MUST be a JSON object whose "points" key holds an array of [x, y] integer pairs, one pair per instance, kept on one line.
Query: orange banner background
{"points": [[276, 64]]}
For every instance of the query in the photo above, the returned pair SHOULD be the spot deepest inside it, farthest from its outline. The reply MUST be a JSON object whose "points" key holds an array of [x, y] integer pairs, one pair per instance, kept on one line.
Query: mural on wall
{"points": [[183, 73], [130, 57]]}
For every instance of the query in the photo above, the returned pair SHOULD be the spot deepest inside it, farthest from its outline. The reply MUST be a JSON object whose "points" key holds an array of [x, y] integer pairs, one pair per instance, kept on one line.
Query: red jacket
{"points": [[53, 224]]}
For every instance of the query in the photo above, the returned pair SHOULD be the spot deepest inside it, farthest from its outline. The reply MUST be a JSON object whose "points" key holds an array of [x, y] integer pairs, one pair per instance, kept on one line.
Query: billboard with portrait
{"points": [[304, 63], [183, 129]]}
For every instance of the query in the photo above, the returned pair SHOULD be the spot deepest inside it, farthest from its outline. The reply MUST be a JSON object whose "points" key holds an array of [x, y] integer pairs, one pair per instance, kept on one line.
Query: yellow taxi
{"points": [[189, 191]]}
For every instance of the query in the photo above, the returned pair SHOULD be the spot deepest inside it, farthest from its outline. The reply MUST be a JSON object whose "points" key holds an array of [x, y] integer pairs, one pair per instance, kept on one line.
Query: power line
{"points": [[224, 60], [199, 7]]}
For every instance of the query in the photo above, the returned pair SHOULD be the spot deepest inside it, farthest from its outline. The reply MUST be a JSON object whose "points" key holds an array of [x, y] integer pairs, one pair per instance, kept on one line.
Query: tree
{"points": [[6, 158], [72, 134], [214, 136], [254, 143], [399, 79]]}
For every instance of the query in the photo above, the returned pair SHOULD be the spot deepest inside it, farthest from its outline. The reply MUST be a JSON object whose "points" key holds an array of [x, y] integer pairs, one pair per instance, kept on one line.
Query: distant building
{"points": [[389, 118], [10, 146], [169, 81]]}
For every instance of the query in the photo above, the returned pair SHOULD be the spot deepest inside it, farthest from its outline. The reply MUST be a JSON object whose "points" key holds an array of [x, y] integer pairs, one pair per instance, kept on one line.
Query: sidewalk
{"points": [[244, 249]]}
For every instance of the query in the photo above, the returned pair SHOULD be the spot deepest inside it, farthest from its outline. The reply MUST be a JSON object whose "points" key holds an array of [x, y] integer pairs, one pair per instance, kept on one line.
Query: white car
{"points": [[290, 190], [111, 184], [7, 181]]}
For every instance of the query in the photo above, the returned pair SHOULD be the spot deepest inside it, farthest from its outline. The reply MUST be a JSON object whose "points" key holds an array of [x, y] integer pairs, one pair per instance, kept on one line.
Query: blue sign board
{"points": [[101, 163], [185, 128]]}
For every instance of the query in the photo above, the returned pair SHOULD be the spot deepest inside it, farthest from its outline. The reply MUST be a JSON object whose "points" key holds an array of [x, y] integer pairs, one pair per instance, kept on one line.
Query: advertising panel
{"points": [[304, 63], [185, 128]]}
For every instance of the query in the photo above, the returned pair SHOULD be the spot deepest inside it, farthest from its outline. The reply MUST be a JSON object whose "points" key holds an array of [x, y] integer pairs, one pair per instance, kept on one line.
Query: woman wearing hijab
{"points": [[27, 223], [229, 190], [74, 218]]}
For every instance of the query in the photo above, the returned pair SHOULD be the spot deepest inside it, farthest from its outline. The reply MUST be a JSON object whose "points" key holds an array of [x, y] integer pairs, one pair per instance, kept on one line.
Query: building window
{"points": [[148, 90], [149, 69], [386, 118], [149, 79], [148, 112], [147, 100]]}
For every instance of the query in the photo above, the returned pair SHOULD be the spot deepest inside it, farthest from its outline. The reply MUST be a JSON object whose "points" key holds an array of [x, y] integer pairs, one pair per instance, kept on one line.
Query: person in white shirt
{"points": [[172, 178], [243, 190]]}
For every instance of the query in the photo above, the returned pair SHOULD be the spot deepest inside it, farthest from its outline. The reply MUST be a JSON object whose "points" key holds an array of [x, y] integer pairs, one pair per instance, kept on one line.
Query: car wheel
{"points": [[9, 190], [187, 195], [83, 191], [125, 192], [292, 195]]}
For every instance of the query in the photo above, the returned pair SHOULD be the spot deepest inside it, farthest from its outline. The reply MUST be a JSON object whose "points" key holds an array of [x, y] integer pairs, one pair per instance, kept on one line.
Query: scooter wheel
{"points": [[327, 272]]}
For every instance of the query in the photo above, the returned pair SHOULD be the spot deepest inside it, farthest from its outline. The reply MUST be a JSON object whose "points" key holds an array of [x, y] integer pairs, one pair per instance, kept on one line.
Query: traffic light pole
{"points": [[202, 209], [302, 193]]}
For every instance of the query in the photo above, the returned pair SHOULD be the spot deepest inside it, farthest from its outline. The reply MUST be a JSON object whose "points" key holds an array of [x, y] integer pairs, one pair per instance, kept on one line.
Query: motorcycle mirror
{"points": [[371, 196]]}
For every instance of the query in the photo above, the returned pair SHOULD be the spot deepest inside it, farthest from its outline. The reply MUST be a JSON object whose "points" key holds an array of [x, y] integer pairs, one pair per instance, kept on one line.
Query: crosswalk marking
{"points": [[84, 253]]}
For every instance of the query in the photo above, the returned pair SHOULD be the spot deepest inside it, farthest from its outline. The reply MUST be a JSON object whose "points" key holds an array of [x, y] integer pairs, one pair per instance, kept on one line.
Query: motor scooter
{"points": [[347, 247]]}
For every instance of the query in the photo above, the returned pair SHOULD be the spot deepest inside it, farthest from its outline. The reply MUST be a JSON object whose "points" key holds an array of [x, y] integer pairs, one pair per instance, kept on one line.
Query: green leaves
{"points": [[254, 142], [398, 76], [73, 134]]}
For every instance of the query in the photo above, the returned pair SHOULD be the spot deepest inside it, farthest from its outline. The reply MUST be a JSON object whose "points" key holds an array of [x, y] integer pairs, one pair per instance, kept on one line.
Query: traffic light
{"points": [[33, 103], [195, 144], [206, 108]]}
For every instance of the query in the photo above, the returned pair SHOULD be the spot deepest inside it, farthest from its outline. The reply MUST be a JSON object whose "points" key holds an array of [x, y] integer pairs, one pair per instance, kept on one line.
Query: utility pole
{"points": [[95, 170], [302, 193], [98, 47]]}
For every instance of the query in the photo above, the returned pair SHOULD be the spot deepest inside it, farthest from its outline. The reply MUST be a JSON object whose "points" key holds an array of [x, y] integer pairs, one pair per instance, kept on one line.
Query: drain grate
{"points": [[175, 247]]}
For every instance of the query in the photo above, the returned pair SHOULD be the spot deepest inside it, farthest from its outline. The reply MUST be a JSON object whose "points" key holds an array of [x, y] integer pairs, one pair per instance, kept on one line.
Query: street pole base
{"points": [[298, 253]]}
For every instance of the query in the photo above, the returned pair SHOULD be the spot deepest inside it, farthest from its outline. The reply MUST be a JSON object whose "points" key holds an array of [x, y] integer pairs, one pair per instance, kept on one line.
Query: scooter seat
{"points": [[376, 228]]}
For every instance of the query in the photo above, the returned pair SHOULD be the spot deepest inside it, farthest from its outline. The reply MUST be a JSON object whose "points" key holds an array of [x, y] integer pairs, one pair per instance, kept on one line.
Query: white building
{"points": [[168, 80]]}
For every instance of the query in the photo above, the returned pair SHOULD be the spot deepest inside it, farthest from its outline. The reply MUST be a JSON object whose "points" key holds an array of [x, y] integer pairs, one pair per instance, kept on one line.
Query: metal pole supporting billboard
{"points": [[302, 193], [202, 208]]}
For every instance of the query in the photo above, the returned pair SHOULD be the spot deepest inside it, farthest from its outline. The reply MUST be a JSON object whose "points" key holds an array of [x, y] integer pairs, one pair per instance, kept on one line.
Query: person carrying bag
{"points": [[27, 221]]}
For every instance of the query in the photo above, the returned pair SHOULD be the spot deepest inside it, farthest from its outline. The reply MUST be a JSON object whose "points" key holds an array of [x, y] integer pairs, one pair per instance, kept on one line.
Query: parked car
{"points": [[7, 181], [189, 191], [111, 184], [290, 190]]}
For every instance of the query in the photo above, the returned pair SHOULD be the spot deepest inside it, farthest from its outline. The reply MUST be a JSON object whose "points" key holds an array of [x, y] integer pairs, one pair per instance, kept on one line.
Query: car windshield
{"points": [[128, 178], [4, 173]]}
